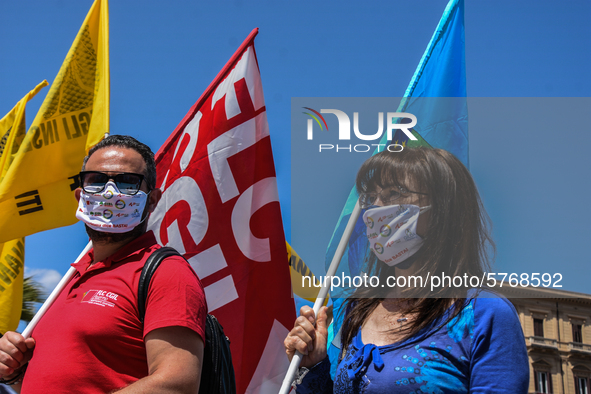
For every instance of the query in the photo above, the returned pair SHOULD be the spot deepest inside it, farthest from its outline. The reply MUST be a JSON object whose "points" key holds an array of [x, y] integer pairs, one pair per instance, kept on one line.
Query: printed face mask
{"points": [[111, 211], [392, 232]]}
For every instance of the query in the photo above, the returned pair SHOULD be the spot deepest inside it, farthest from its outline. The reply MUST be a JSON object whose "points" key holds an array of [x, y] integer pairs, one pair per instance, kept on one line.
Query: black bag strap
{"points": [[149, 268], [217, 374]]}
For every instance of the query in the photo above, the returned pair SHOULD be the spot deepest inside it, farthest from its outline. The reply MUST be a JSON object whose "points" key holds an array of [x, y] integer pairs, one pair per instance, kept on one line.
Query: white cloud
{"points": [[47, 278]]}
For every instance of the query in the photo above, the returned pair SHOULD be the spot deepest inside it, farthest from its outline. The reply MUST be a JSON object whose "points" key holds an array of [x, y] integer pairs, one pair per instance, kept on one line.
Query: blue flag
{"points": [[442, 123]]}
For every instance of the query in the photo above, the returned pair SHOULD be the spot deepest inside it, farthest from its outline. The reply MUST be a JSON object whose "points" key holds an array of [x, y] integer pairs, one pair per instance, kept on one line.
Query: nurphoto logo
{"points": [[344, 132]]}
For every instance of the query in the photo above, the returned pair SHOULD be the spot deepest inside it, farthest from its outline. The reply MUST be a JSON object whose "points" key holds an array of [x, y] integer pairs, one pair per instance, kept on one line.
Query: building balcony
{"points": [[579, 347], [545, 343]]}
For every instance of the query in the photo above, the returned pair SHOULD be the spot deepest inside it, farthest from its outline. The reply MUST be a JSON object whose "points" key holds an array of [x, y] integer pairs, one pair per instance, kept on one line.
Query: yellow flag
{"points": [[298, 269], [37, 191], [13, 130], [12, 253], [12, 257]]}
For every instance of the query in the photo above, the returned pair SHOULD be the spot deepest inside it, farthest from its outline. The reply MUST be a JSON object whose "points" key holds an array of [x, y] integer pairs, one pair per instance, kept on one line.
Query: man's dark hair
{"points": [[125, 141]]}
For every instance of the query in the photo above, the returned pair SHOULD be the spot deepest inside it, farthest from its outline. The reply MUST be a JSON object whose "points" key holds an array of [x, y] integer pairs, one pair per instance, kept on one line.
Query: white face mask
{"points": [[111, 211], [392, 231]]}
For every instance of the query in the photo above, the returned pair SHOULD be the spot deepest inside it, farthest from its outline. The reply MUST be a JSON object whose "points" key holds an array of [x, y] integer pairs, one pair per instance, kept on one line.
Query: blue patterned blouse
{"points": [[481, 350]]}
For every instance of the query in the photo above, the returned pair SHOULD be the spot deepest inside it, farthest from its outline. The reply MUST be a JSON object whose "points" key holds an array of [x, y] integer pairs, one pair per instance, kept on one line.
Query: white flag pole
{"points": [[54, 294], [332, 269]]}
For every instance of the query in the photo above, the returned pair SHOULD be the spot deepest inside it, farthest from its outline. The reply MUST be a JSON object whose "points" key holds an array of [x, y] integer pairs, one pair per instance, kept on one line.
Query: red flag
{"points": [[220, 209]]}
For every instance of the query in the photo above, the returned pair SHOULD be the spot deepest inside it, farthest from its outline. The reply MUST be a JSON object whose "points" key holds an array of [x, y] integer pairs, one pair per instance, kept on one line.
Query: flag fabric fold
{"points": [[304, 284], [436, 95], [12, 259], [220, 209], [441, 75], [37, 190], [12, 132], [13, 129]]}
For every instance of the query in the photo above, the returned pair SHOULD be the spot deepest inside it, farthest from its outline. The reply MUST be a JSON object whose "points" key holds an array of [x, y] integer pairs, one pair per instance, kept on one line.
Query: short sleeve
{"points": [[499, 362], [175, 298]]}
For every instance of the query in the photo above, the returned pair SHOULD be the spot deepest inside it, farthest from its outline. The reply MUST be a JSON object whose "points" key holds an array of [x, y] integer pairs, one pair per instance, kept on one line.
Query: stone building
{"points": [[557, 329]]}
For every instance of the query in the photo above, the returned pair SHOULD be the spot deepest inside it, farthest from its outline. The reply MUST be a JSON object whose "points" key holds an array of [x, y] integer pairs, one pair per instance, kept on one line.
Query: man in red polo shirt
{"points": [[92, 340]]}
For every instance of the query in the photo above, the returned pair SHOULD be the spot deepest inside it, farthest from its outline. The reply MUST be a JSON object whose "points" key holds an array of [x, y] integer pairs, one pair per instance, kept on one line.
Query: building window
{"points": [[581, 385], [539, 327], [577, 333], [543, 382]]}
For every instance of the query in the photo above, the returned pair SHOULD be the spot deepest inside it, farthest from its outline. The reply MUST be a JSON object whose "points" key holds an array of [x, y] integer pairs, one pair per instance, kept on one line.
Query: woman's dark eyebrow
{"points": [[390, 186]]}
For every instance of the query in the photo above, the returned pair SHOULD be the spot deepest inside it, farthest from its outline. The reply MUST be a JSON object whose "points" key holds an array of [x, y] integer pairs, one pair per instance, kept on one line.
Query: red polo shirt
{"points": [[91, 339]]}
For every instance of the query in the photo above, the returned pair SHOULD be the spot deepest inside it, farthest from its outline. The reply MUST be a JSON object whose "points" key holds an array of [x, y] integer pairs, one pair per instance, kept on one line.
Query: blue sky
{"points": [[532, 178]]}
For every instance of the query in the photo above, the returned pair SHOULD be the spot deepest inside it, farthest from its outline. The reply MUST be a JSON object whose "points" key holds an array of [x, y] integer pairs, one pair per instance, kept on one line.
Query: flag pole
{"points": [[332, 269], [54, 294]]}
